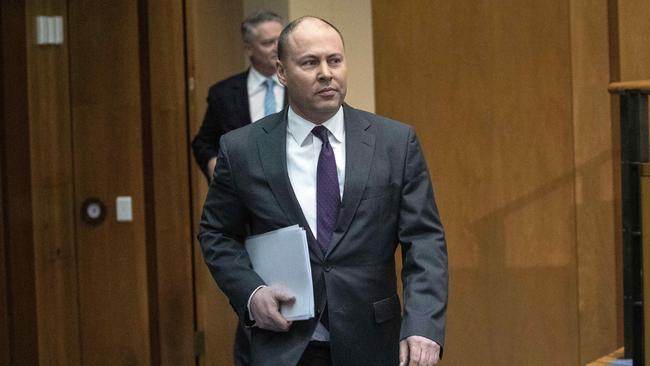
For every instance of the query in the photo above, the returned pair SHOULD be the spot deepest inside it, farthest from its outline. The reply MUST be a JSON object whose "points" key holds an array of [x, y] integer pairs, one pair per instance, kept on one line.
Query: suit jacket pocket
{"points": [[386, 309]]}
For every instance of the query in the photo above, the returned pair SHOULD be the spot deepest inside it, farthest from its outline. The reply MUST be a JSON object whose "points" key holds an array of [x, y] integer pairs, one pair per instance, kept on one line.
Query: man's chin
{"points": [[330, 108]]}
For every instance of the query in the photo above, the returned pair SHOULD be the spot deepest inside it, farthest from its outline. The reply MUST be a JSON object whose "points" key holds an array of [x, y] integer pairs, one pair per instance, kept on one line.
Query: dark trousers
{"points": [[242, 349], [316, 354]]}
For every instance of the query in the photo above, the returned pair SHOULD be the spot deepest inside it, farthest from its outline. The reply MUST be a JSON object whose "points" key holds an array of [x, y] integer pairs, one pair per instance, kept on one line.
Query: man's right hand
{"points": [[265, 309]]}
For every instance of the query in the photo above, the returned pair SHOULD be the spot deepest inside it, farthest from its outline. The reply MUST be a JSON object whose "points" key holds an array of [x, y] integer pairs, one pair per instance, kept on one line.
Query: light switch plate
{"points": [[49, 30], [124, 209]]}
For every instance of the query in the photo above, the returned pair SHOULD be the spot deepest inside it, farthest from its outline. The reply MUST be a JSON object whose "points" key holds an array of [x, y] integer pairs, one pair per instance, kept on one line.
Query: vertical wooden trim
{"points": [[147, 171], [595, 211], [615, 75], [167, 182], [4, 320], [21, 299]]}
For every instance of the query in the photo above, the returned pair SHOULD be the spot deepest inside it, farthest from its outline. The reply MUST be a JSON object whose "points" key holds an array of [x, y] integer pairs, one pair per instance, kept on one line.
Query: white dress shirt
{"points": [[303, 149], [257, 92]]}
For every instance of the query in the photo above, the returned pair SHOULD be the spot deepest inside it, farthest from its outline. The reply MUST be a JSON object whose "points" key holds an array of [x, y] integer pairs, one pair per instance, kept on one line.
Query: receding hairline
{"points": [[283, 39]]}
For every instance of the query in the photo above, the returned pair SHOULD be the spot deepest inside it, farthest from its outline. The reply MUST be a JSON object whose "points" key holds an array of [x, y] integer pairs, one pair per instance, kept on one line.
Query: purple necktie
{"points": [[328, 197]]}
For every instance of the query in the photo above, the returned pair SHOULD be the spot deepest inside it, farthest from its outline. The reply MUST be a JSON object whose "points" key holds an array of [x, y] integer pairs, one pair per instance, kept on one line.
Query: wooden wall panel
{"points": [[106, 110], [171, 186], [214, 53], [633, 32], [594, 179], [17, 190], [487, 84], [4, 317], [53, 199]]}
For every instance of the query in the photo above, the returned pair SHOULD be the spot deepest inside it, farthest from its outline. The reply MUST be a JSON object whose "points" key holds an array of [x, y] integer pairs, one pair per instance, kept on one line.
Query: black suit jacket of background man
{"points": [[228, 109], [388, 199]]}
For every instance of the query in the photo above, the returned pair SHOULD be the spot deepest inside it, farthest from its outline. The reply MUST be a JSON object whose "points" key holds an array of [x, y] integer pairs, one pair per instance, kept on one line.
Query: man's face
{"points": [[314, 71], [263, 48]]}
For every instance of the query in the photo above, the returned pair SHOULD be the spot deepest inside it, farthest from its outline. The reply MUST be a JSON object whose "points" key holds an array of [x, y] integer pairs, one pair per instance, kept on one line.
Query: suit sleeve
{"points": [[205, 145], [424, 252], [222, 233]]}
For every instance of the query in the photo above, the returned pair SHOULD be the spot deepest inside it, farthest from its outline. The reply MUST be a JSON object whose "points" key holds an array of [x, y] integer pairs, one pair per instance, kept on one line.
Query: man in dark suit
{"points": [[359, 185], [243, 98]]}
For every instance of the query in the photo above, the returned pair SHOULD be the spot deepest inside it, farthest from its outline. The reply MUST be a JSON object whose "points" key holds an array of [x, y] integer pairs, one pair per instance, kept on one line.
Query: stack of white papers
{"points": [[281, 258]]}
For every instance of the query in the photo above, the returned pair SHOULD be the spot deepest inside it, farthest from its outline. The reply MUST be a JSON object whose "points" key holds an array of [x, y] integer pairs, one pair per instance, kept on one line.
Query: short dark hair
{"points": [[255, 19], [283, 40]]}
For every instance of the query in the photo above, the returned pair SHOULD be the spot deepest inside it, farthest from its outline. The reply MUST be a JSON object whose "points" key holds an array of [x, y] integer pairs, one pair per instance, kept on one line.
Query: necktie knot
{"points": [[269, 97], [321, 133], [269, 83]]}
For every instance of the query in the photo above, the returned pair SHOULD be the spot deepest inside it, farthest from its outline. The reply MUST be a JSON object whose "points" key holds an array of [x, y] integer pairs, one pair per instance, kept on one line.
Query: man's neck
{"points": [[317, 119], [267, 73]]}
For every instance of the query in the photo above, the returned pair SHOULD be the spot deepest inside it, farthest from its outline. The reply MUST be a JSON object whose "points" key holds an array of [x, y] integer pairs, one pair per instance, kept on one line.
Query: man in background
{"points": [[245, 97]]}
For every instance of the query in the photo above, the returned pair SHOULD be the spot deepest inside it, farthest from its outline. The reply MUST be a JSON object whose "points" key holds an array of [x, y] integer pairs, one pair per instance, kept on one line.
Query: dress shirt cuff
{"points": [[248, 304]]}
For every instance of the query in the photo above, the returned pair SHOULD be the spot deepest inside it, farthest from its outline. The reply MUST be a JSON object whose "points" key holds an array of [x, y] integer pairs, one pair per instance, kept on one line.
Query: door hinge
{"points": [[199, 343]]}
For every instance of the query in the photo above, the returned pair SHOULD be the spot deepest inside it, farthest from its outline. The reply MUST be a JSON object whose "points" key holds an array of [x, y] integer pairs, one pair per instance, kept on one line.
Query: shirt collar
{"points": [[299, 128], [256, 79]]}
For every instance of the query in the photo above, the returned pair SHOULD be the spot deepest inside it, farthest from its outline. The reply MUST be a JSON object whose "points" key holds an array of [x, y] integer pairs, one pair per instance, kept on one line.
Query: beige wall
{"points": [[280, 7], [354, 20]]}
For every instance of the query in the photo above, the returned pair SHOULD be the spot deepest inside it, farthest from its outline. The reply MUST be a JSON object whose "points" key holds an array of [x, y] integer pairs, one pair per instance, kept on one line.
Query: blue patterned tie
{"points": [[328, 197], [269, 98]]}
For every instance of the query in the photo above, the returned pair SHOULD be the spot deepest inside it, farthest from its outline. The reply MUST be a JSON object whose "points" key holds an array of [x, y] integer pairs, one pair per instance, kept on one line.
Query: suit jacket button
{"points": [[328, 268]]}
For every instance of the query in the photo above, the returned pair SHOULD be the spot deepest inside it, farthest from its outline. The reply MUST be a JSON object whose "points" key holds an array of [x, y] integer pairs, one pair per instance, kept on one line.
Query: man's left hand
{"points": [[418, 351]]}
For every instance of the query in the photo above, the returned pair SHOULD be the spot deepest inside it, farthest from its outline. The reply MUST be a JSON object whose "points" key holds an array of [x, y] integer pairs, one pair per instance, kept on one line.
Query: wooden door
{"points": [[102, 114], [108, 162]]}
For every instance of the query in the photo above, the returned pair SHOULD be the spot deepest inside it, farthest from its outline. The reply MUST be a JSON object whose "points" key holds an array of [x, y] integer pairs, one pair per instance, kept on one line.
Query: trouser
{"points": [[316, 354], [242, 347]]}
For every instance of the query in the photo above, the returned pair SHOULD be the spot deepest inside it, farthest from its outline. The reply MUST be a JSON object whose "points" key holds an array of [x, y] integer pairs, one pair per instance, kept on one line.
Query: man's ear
{"points": [[281, 72]]}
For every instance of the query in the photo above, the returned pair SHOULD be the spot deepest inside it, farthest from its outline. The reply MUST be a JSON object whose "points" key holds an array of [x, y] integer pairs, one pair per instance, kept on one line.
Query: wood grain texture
{"points": [[17, 189], [5, 348], [642, 86], [595, 195], [488, 87], [633, 33], [107, 134], [214, 53], [53, 196], [171, 186]]}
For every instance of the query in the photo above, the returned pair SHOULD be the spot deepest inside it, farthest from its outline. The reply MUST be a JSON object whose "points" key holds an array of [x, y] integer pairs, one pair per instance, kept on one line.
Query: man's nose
{"points": [[324, 72]]}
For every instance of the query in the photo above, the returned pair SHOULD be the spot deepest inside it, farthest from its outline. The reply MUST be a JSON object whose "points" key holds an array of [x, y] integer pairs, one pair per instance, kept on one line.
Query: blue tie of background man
{"points": [[269, 98]]}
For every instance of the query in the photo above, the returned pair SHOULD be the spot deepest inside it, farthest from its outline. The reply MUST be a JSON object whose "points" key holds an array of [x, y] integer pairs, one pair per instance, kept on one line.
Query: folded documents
{"points": [[281, 258]]}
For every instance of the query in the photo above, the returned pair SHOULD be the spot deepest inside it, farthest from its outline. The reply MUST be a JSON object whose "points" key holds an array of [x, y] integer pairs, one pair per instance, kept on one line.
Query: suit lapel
{"points": [[273, 155], [359, 151]]}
